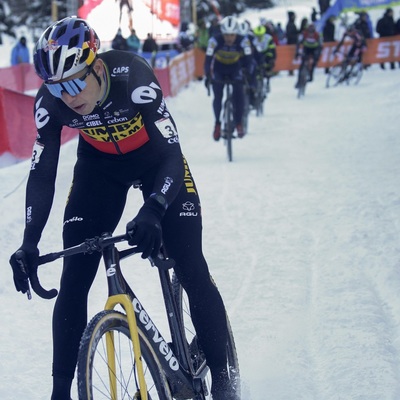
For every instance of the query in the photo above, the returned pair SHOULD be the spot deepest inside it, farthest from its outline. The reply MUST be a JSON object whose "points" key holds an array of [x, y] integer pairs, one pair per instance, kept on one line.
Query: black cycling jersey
{"points": [[129, 136], [132, 115]]}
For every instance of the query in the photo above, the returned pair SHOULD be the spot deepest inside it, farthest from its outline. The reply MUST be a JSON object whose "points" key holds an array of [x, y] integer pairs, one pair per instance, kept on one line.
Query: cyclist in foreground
{"points": [[226, 55], [126, 133], [309, 45]]}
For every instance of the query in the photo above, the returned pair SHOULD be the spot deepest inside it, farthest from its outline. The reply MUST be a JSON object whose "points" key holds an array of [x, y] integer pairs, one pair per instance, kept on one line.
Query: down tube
{"points": [[178, 378]]}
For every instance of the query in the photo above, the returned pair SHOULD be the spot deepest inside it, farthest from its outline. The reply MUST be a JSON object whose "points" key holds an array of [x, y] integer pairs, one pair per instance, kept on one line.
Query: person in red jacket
{"points": [[309, 45]]}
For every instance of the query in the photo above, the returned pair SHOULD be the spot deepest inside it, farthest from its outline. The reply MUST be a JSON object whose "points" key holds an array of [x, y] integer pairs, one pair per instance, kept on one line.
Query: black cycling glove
{"points": [[144, 231], [24, 263]]}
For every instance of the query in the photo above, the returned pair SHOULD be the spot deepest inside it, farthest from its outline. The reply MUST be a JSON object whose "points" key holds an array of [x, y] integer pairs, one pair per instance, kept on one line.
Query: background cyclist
{"points": [[356, 42], [126, 133], [226, 54], [309, 45], [264, 52]]}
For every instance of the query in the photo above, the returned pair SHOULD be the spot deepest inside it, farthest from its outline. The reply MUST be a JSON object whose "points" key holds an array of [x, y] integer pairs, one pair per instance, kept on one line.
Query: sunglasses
{"points": [[72, 87]]}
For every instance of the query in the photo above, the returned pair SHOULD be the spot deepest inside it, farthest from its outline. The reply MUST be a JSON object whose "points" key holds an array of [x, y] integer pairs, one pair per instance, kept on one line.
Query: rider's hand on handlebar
{"points": [[207, 81], [144, 231], [24, 263]]}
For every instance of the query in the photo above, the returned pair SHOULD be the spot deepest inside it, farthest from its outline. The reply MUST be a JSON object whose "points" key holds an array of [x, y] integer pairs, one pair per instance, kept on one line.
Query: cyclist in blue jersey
{"points": [[309, 45], [226, 55], [126, 134]]}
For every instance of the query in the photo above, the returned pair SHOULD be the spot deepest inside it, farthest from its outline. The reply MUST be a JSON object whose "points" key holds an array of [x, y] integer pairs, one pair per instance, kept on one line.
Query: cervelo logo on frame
{"points": [[157, 338]]}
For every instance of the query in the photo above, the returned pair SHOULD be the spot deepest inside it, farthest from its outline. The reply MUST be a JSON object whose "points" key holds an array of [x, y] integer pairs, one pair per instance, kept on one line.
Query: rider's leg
{"points": [[218, 90], [182, 232], [90, 211]]}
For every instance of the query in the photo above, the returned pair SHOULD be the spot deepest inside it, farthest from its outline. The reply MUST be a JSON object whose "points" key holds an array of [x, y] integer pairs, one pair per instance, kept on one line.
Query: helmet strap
{"points": [[96, 76]]}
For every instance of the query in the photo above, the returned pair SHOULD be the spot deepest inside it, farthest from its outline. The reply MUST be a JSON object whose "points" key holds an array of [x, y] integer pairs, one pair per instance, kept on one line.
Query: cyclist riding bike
{"points": [[264, 51], [226, 55], [309, 45], [126, 134], [358, 45]]}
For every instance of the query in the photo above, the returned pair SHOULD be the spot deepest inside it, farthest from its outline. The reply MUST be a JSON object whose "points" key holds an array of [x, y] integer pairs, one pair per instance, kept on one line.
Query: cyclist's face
{"points": [[84, 102], [229, 38]]}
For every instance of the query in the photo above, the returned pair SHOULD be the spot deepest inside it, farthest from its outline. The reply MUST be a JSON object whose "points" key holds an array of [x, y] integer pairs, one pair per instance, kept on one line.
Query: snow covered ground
{"points": [[301, 232]]}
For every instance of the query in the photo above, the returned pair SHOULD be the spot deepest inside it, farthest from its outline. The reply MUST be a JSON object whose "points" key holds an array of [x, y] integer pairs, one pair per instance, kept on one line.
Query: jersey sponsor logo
{"points": [[120, 71], [116, 120], [94, 123], [29, 214], [118, 131], [173, 140], [167, 183], [228, 57], [90, 117], [36, 153], [188, 208], [42, 116], [188, 180], [145, 94], [73, 219], [163, 109]]}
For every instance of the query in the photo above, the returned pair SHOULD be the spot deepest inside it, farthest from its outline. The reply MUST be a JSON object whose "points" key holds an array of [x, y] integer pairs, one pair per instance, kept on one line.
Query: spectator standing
{"points": [[303, 24], [398, 27], [202, 35], [292, 32], [133, 42], [328, 33], [280, 33], [20, 53], [314, 15], [149, 44], [214, 28], [363, 25], [323, 5], [386, 27], [119, 42]]}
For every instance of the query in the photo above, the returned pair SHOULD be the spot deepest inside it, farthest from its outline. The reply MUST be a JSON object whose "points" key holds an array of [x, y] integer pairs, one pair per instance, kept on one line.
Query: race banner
{"points": [[87, 7], [166, 10], [351, 5]]}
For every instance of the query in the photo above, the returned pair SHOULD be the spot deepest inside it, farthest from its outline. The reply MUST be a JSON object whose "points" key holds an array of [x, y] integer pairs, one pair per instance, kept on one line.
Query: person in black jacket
{"points": [[126, 134], [328, 33], [386, 27], [292, 32], [119, 42]]}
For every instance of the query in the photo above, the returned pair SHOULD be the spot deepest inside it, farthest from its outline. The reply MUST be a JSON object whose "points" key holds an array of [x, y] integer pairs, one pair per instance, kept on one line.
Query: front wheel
{"points": [[335, 75], [355, 74], [229, 125], [197, 356], [106, 366], [303, 78]]}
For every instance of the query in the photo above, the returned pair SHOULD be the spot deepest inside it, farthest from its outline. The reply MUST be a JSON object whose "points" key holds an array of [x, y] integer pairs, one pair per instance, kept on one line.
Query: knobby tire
{"points": [[93, 376], [355, 74], [261, 94], [229, 127], [197, 356], [302, 81], [246, 111]]}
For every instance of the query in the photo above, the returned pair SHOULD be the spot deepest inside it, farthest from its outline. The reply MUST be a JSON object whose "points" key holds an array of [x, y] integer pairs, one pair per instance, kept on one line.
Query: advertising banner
{"points": [[352, 5], [166, 10]]}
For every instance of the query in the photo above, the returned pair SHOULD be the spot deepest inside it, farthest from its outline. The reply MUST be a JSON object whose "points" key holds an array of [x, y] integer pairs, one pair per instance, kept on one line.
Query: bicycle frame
{"points": [[176, 366]]}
